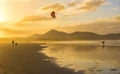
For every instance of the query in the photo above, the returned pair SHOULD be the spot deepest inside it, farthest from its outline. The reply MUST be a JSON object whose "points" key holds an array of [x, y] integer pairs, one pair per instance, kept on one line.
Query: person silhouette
{"points": [[103, 44], [16, 44], [13, 42]]}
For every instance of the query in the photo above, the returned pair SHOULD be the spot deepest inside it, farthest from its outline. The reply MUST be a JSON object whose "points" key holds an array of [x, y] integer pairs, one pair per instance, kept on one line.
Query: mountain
{"points": [[84, 35], [35, 36], [59, 35], [55, 35], [111, 36]]}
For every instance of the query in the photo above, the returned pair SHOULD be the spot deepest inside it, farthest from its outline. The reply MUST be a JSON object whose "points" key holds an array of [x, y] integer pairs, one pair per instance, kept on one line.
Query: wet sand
{"points": [[25, 59]]}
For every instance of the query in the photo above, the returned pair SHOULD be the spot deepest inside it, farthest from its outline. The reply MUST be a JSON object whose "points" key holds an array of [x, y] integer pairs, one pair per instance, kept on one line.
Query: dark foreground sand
{"points": [[25, 59]]}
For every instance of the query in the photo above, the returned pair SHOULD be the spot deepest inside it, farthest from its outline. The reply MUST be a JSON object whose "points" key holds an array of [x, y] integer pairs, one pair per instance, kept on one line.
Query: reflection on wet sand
{"points": [[92, 59]]}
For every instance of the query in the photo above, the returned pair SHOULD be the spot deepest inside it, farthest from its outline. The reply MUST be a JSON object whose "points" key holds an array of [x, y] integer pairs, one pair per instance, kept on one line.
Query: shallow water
{"points": [[87, 56]]}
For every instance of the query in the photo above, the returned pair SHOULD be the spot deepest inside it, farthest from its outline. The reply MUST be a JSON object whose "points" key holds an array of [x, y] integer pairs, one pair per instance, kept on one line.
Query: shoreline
{"points": [[25, 59]]}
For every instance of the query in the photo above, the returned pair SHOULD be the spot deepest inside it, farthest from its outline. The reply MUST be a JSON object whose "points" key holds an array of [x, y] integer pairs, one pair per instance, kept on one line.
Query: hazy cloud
{"points": [[90, 5], [117, 18], [27, 26], [14, 0], [8, 30], [36, 18], [74, 7], [14, 32], [72, 3], [72, 13], [101, 26], [54, 7], [116, 8]]}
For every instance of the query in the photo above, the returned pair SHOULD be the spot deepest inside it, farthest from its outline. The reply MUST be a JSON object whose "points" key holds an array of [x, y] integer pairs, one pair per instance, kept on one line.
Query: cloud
{"points": [[27, 26], [14, 32], [37, 18], [117, 17], [54, 7], [8, 30], [72, 13], [14, 0], [114, 8], [73, 8], [72, 4], [90, 5], [100, 26], [23, 31], [33, 25]]}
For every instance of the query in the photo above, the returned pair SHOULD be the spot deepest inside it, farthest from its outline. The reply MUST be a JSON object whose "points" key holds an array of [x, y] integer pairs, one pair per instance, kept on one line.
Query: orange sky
{"points": [[99, 16]]}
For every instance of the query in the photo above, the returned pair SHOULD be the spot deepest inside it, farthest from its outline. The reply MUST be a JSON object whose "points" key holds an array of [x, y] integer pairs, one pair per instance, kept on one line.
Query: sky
{"points": [[19, 18]]}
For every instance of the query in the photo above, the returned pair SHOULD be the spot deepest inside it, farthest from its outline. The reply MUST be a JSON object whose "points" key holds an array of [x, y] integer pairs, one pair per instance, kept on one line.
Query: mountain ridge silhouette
{"points": [[77, 35]]}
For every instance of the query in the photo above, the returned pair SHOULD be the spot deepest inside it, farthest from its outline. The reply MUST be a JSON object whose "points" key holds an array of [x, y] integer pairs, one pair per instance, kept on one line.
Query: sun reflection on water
{"points": [[90, 58]]}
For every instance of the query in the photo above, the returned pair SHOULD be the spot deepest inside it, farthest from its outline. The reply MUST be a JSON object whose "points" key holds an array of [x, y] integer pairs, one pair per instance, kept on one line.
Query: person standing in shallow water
{"points": [[103, 44], [16, 44], [13, 42]]}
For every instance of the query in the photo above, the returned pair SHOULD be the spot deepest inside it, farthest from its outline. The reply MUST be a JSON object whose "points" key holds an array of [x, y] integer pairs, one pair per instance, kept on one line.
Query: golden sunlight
{"points": [[2, 17], [2, 14], [1, 35]]}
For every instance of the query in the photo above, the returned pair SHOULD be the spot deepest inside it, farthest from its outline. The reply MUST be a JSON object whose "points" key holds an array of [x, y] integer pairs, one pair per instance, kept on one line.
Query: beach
{"points": [[81, 57], [25, 59]]}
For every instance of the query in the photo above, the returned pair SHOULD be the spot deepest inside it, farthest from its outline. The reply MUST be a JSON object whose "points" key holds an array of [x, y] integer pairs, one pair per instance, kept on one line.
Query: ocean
{"points": [[91, 57]]}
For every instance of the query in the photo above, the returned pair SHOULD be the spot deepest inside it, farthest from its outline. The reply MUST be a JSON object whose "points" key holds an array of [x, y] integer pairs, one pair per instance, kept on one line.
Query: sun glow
{"points": [[1, 35], [2, 13], [2, 18]]}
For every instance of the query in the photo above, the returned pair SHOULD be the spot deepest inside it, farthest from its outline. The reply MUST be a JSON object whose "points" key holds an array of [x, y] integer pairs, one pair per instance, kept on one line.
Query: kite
{"points": [[53, 14]]}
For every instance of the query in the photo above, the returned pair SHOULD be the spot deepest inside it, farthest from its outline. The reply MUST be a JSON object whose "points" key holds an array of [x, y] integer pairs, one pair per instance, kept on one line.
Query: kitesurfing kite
{"points": [[53, 14]]}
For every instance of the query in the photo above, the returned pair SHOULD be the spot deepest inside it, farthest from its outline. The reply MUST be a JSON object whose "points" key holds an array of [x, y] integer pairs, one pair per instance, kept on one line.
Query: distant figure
{"points": [[53, 14], [103, 44], [13, 42], [16, 44]]}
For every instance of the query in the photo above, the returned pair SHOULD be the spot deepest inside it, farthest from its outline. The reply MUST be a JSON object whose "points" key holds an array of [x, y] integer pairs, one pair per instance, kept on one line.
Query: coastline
{"points": [[25, 59]]}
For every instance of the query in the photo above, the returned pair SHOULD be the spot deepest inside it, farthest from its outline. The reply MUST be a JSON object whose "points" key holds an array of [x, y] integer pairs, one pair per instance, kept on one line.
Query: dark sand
{"points": [[25, 59]]}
